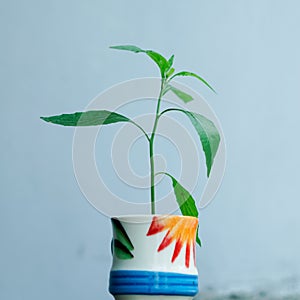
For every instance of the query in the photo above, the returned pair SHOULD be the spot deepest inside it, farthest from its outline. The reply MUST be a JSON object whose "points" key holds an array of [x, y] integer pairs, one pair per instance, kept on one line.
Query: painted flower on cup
{"points": [[181, 230]]}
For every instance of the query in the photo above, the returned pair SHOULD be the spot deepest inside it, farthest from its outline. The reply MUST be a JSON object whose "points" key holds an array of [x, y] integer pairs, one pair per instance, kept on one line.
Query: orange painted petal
{"points": [[187, 255], [166, 242], [177, 250], [155, 227]]}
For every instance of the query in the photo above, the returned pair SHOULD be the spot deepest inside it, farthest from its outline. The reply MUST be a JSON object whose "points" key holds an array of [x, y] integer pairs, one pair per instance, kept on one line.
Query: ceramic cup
{"points": [[154, 258]]}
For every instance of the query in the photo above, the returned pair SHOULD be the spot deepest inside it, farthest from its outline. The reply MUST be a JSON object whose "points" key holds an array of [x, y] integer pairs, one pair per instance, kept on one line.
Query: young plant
{"points": [[208, 134]]}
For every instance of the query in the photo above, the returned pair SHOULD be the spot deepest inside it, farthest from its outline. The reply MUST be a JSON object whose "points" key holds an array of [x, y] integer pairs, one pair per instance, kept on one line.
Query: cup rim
{"points": [[143, 218]]}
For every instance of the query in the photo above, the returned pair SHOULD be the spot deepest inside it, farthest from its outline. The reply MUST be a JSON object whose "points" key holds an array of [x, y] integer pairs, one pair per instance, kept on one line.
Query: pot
{"points": [[154, 257]]}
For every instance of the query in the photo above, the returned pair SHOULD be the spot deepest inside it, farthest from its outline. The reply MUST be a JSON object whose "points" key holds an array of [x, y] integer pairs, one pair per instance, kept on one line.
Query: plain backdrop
{"points": [[54, 58]]}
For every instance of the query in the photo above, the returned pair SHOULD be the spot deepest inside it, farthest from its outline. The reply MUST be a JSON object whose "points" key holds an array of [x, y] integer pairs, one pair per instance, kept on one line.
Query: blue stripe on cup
{"points": [[132, 282]]}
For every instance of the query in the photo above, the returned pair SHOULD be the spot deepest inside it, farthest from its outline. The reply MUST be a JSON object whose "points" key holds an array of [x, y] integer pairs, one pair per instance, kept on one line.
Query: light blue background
{"points": [[54, 58]]}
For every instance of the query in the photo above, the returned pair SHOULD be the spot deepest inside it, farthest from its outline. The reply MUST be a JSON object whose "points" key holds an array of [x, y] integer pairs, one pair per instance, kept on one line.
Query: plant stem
{"points": [[152, 187], [151, 148]]}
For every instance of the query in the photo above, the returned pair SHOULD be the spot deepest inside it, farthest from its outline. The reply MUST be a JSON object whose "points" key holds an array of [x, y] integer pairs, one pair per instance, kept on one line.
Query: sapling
{"points": [[208, 134]]}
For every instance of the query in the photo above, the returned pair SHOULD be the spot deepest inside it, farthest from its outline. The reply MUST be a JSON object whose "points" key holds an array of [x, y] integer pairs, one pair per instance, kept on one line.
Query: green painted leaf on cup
{"points": [[121, 251], [121, 234]]}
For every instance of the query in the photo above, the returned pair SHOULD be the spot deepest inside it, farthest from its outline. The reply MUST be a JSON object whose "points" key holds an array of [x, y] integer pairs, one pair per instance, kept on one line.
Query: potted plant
{"points": [[154, 255]]}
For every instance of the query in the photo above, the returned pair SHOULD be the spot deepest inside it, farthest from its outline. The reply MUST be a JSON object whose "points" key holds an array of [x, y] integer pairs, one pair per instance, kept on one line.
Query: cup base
{"points": [[151, 297]]}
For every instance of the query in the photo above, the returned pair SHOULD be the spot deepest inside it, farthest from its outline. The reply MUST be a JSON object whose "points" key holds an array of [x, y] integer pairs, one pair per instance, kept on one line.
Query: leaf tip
{"points": [[46, 119], [199, 242], [115, 47], [207, 173]]}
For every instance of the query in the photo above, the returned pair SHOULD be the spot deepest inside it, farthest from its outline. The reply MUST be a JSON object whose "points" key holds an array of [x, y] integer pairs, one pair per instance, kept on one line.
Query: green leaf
{"points": [[180, 94], [88, 118], [207, 132], [121, 251], [170, 62], [197, 238], [185, 73], [131, 48], [161, 61], [121, 234], [185, 201], [209, 136], [170, 72]]}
